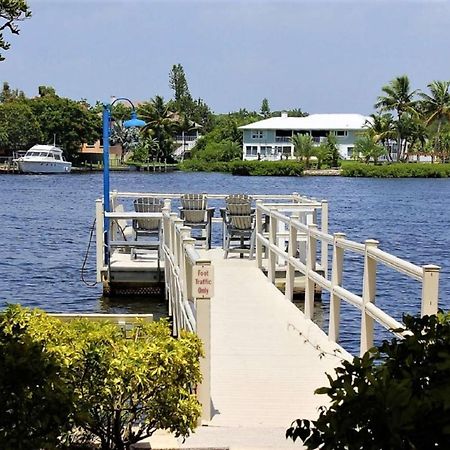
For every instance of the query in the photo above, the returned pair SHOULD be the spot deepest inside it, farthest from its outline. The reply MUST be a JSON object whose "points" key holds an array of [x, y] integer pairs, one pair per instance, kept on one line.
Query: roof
{"points": [[44, 147], [312, 122]]}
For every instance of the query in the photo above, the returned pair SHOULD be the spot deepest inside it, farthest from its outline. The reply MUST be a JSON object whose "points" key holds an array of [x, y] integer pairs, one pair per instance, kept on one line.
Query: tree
{"points": [[322, 153], [47, 91], [382, 129], [265, 109], [368, 148], [80, 381], [161, 124], [303, 147], [20, 128], [129, 388], [68, 122], [9, 95], [178, 83], [182, 97], [395, 397], [128, 138], [332, 157], [398, 98], [11, 12], [436, 107], [36, 401]]}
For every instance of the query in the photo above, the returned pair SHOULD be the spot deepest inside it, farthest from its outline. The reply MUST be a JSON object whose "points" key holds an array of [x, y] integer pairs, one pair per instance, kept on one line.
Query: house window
{"points": [[251, 150], [350, 152], [278, 149], [287, 151], [257, 134], [341, 133], [265, 150]]}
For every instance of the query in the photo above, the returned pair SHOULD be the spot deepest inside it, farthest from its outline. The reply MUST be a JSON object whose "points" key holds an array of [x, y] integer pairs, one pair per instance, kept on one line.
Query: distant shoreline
{"points": [[323, 172]]}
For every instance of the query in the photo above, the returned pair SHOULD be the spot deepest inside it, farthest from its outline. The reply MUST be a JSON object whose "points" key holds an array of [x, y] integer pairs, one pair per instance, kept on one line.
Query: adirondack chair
{"points": [[239, 225], [150, 228], [147, 227], [197, 216]]}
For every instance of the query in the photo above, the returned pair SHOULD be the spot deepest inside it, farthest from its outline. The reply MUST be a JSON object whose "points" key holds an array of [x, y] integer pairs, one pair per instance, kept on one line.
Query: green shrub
{"points": [[396, 170], [36, 400], [87, 376], [395, 397], [251, 168], [269, 168], [198, 165]]}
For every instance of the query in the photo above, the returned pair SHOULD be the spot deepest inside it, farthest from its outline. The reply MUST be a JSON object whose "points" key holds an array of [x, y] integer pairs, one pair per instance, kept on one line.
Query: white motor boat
{"points": [[43, 159]]}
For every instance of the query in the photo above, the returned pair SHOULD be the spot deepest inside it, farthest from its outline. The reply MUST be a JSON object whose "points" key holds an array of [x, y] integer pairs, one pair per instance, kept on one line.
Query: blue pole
{"points": [[106, 203]]}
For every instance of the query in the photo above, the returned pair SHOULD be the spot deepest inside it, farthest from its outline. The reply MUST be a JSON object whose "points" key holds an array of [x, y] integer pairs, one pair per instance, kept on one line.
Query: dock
{"points": [[264, 357]]}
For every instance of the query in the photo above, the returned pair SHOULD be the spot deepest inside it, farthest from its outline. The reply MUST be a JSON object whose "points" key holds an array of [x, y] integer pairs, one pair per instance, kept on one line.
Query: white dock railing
{"points": [[292, 243], [187, 310]]}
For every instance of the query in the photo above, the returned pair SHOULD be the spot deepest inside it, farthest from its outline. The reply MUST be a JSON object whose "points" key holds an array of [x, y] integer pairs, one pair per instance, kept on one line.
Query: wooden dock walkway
{"points": [[266, 360]]}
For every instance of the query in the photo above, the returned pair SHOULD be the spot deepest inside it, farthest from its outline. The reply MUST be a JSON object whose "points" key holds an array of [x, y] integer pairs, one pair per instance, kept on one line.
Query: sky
{"points": [[321, 56]]}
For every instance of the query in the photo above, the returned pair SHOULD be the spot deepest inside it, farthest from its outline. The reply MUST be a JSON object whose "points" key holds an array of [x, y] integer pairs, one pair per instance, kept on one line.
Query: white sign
{"points": [[202, 281]]}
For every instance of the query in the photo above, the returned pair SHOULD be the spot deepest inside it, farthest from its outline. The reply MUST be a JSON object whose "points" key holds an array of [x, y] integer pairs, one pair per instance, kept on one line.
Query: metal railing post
{"points": [[311, 254], [430, 290], [336, 280], [368, 296]]}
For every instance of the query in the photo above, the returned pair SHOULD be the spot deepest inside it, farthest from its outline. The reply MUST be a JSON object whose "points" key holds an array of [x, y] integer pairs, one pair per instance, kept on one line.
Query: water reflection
{"points": [[320, 311], [134, 305]]}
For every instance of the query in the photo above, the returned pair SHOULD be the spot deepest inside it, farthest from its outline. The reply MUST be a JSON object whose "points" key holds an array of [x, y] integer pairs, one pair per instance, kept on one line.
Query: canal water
{"points": [[46, 222]]}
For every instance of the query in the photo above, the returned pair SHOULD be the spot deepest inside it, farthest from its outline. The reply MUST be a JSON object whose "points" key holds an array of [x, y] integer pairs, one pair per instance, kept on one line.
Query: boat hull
{"points": [[44, 167]]}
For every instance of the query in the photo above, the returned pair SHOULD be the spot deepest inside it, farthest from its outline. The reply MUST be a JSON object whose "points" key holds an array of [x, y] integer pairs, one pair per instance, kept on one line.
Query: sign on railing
{"points": [[203, 281]]}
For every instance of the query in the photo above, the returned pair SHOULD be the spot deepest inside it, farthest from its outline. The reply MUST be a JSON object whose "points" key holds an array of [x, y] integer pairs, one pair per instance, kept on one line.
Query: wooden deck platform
{"points": [[266, 360]]}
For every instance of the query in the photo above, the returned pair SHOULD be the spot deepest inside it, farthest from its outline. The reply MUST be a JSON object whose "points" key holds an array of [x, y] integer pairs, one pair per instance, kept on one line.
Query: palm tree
{"points": [[368, 148], [398, 98], [436, 107], [333, 151], [303, 147], [128, 138], [161, 123], [381, 128]]}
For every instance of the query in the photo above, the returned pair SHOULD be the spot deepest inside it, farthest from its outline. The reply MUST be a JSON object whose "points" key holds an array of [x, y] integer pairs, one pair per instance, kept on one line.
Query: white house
{"points": [[270, 139]]}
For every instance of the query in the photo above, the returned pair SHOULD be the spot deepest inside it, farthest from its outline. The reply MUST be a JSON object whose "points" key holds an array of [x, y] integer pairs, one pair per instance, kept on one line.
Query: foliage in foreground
{"points": [[11, 12], [396, 170], [82, 380], [395, 397]]}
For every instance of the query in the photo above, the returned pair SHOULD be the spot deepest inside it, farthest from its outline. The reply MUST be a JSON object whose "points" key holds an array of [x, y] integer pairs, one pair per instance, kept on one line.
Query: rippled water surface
{"points": [[46, 222]]}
